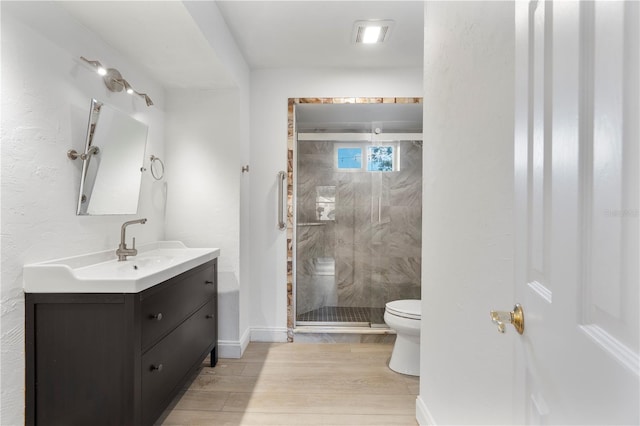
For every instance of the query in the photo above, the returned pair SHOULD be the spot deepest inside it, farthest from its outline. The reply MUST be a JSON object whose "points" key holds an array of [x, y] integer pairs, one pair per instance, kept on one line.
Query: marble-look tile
{"points": [[411, 157], [311, 242], [403, 244], [404, 291], [318, 291], [407, 219], [406, 189], [316, 147], [377, 216]]}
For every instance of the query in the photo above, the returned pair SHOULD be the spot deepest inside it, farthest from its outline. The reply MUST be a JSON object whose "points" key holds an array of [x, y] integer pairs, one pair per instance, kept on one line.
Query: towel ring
{"points": [[155, 171]]}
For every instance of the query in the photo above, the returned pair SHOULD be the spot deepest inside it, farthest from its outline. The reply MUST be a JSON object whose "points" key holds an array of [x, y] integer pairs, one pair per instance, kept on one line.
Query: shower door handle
{"points": [[281, 222]]}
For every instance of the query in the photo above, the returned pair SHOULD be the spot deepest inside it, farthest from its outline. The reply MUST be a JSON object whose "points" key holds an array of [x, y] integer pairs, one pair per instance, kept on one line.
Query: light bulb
{"points": [[371, 34], [102, 71]]}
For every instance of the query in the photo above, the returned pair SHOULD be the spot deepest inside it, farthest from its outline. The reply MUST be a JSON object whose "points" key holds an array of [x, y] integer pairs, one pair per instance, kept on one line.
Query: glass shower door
{"points": [[333, 260], [395, 163], [358, 228]]}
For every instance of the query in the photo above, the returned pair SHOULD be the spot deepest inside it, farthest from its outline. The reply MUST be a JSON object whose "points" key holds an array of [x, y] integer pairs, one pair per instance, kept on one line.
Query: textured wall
{"points": [[203, 167], [46, 92], [377, 259], [210, 21]]}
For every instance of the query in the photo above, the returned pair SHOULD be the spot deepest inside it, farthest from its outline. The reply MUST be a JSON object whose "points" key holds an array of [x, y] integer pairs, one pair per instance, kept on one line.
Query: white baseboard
{"points": [[272, 334], [234, 348], [423, 415]]}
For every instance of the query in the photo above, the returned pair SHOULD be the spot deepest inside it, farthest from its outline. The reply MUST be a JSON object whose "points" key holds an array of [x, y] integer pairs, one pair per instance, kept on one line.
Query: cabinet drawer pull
{"points": [[209, 316], [156, 367], [208, 282], [157, 317]]}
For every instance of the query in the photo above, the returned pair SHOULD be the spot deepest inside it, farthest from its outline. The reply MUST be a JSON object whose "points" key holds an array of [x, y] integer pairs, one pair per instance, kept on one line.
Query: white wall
{"points": [[46, 93], [466, 365], [203, 207], [270, 90], [203, 170], [210, 21]]}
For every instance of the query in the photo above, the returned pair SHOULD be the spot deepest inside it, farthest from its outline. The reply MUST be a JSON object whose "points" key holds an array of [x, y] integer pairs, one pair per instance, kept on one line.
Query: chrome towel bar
{"points": [[282, 225]]}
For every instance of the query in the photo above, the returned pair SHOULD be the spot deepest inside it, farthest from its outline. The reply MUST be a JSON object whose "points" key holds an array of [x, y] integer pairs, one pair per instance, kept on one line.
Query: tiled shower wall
{"points": [[375, 239], [290, 171]]}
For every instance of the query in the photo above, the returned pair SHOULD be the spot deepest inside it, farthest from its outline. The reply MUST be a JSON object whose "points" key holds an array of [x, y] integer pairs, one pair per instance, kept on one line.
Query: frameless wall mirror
{"points": [[112, 162]]}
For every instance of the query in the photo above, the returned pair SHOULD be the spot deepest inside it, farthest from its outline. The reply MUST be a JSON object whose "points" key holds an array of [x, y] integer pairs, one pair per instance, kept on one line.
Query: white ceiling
{"points": [[162, 36], [278, 34], [359, 117], [159, 35]]}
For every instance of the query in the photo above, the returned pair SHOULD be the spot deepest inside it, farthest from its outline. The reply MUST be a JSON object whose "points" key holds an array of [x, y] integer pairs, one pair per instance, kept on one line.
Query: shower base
{"points": [[343, 316]]}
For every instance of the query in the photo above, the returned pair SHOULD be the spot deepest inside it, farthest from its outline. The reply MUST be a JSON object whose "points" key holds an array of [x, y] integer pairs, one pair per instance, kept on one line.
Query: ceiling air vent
{"points": [[371, 32]]}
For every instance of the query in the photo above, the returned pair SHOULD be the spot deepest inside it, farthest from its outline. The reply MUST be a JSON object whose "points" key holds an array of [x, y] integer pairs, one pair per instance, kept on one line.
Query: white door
{"points": [[576, 178]]}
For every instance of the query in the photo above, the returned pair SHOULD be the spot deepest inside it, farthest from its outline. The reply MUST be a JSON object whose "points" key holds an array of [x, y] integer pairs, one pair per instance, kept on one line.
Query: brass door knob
{"points": [[515, 317]]}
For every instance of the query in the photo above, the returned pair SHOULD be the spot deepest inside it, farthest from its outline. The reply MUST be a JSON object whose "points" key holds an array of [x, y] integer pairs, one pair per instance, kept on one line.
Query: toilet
{"points": [[403, 316]]}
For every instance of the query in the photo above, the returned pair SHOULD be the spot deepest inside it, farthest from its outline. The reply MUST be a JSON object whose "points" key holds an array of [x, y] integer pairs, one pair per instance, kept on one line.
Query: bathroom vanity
{"points": [[118, 357]]}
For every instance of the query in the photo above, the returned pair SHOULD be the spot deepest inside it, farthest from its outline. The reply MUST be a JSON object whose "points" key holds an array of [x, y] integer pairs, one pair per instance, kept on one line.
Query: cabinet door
{"points": [[81, 371], [167, 365]]}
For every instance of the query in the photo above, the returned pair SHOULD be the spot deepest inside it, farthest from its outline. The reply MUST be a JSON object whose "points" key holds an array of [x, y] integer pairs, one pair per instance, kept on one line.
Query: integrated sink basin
{"points": [[101, 272]]}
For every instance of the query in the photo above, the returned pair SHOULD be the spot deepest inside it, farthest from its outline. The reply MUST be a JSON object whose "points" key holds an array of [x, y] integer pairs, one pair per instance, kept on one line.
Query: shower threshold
{"points": [[343, 316]]}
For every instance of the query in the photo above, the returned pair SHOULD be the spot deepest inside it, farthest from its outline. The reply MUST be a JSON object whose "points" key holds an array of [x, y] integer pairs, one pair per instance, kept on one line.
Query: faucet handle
{"points": [[134, 244]]}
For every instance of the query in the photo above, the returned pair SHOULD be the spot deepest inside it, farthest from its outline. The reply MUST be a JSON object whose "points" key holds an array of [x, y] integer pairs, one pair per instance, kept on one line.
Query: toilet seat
{"points": [[409, 308]]}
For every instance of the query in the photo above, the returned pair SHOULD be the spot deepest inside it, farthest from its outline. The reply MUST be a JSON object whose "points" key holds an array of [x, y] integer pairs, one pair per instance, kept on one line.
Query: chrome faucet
{"points": [[123, 251]]}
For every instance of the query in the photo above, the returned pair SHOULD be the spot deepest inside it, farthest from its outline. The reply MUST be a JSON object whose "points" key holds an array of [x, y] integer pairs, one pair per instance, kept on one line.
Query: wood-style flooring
{"points": [[299, 384]]}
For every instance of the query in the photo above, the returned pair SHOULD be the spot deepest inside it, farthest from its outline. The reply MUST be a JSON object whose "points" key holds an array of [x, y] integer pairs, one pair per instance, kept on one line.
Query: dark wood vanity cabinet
{"points": [[117, 359]]}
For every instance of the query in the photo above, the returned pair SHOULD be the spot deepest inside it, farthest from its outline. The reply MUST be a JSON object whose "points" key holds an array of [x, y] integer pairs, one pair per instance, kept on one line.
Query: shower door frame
{"points": [[291, 146]]}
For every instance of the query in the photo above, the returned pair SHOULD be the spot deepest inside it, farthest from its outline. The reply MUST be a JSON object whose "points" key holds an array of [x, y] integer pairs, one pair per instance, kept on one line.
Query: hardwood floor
{"points": [[299, 384]]}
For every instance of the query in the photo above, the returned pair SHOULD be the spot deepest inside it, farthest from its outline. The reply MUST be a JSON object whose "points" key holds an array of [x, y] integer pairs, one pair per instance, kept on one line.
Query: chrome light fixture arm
{"points": [[114, 81]]}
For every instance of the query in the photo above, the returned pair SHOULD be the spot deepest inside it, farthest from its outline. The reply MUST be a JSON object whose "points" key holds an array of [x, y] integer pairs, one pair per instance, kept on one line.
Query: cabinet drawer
{"points": [[163, 309], [166, 364]]}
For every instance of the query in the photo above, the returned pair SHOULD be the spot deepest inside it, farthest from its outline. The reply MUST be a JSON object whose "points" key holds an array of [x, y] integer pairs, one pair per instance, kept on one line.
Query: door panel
{"points": [[610, 207], [576, 180]]}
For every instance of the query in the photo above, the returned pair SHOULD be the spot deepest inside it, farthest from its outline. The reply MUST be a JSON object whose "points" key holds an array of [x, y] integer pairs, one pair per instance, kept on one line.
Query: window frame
{"points": [[364, 151]]}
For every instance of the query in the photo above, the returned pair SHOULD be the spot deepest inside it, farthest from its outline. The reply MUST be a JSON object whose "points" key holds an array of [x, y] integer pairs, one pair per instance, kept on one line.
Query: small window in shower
{"points": [[325, 203], [363, 156], [349, 158], [381, 158]]}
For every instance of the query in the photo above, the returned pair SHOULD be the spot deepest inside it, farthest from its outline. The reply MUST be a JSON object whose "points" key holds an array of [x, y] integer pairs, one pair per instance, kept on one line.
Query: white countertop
{"points": [[101, 272]]}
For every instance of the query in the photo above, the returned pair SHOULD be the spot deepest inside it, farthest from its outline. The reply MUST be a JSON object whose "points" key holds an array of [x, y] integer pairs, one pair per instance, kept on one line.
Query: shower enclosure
{"points": [[358, 210]]}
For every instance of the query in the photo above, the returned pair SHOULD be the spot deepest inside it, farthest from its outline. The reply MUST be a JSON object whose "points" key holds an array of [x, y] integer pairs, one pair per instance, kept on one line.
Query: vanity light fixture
{"points": [[97, 65], [147, 99], [127, 87], [114, 80], [375, 31]]}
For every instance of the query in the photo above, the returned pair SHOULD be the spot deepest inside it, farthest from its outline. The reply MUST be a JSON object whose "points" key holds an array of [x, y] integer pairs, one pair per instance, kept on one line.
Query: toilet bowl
{"points": [[403, 316]]}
